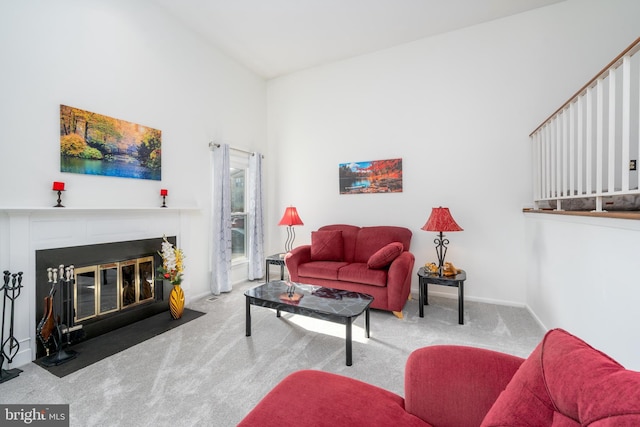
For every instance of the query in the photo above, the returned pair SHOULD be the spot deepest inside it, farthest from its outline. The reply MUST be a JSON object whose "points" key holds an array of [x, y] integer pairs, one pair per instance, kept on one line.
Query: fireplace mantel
{"points": [[44, 209], [26, 229]]}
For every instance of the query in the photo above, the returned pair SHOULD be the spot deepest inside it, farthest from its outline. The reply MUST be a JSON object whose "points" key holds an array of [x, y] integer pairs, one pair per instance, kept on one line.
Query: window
{"points": [[238, 212]]}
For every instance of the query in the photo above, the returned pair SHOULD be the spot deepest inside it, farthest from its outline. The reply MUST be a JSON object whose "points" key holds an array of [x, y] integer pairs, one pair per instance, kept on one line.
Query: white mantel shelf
{"points": [[97, 209]]}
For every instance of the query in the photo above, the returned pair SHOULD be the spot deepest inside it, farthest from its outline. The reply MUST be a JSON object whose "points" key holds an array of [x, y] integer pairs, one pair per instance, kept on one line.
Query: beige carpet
{"points": [[207, 373]]}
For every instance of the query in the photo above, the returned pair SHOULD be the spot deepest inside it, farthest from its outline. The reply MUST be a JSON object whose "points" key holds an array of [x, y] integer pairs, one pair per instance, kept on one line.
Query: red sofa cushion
{"points": [[322, 399], [327, 245], [371, 239], [385, 255], [321, 269], [567, 382], [349, 236], [359, 273]]}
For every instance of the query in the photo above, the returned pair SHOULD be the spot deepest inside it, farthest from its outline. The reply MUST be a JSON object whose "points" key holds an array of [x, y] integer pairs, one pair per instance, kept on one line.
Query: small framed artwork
{"points": [[93, 144], [375, 176]]}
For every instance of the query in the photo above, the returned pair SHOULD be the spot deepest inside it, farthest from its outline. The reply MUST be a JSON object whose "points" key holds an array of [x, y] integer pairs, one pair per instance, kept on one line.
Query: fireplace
{"points": [[114, 285]]}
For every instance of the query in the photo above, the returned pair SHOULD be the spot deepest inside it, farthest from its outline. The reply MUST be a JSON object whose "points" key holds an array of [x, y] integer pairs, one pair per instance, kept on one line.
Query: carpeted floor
{"points": [[207, 373]]}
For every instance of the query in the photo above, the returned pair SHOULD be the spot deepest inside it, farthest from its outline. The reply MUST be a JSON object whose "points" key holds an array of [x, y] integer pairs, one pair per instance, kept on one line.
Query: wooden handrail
{"points": [[633, 48]]}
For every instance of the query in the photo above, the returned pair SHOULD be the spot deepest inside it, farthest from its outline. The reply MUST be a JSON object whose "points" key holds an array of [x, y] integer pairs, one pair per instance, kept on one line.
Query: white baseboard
{"points": [[536, 318], [415, 294], [454, 295]]}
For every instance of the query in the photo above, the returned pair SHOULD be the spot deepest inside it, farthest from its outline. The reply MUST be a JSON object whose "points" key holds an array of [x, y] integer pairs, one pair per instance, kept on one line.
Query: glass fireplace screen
{"points": [[106, 288]]}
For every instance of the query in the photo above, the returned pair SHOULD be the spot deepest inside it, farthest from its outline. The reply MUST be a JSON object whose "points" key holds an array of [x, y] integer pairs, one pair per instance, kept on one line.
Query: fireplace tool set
{"points": [[10, 346], [54, 329]]}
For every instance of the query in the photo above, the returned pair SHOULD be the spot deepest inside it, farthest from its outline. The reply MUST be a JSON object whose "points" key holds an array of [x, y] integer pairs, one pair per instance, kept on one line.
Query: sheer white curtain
{"points": [[221, 228], [255, 251]]}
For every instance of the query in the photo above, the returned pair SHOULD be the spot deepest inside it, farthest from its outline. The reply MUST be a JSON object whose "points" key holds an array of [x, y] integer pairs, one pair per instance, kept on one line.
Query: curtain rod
{"points": [[213, 145]]}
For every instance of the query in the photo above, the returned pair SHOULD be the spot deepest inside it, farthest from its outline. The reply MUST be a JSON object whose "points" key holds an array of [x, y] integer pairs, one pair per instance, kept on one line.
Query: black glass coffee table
{"points": [[318, 302]]}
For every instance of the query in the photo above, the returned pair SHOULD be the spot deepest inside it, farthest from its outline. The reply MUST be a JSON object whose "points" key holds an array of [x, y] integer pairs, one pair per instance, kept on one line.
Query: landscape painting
{"points": [[94, 144], [377, 176]]}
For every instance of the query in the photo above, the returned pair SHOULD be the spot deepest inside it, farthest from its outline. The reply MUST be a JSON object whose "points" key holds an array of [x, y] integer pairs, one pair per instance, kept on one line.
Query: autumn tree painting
{"points": [[377, 176], [94, 144]]}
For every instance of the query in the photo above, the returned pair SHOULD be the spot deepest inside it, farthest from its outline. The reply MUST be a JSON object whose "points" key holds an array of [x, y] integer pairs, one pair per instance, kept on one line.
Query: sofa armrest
{"points": [[314, 398], [399, 280], [297, 256], [448, 385]]}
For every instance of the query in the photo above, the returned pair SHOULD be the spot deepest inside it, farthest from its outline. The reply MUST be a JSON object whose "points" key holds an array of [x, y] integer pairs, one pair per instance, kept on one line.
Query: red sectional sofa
{"points": [[563, 383], [370, 260]]}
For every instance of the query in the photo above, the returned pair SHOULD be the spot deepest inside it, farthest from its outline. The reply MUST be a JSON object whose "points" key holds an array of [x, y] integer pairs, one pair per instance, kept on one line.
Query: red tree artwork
{"points": [[377, 176]]}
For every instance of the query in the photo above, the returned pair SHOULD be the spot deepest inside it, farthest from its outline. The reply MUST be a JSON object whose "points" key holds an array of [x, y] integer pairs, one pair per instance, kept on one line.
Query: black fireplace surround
{"points": [[98, 254]]}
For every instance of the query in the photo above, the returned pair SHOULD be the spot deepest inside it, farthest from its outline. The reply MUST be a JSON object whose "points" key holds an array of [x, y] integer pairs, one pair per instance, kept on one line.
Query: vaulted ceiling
{"points": [[276, 37]]}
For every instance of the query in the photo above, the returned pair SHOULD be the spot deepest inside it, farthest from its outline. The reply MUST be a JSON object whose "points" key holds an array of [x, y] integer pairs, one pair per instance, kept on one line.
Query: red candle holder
{"points": [[164, 193], [59, 187]]}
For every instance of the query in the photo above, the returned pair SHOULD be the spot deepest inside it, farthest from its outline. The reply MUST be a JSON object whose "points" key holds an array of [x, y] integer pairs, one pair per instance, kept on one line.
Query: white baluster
{"points": [[626, 122], [611, 140]]}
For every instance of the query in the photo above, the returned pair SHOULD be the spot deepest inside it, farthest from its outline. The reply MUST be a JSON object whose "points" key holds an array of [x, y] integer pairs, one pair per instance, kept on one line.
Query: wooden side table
{"points": [[424, 278], [275, 259]]}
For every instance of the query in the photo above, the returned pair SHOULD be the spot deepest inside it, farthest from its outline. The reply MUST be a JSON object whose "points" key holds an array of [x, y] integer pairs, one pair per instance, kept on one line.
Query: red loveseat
{"points": [[370, 260], [563, 383]]}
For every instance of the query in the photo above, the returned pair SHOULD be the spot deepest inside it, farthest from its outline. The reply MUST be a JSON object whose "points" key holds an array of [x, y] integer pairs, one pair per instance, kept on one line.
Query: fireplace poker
{"points": [[69, 282], [3, 289]]}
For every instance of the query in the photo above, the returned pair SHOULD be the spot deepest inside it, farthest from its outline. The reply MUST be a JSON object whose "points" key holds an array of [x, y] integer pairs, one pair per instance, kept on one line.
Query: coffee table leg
{"points": [[348, 324], [248, 317]]}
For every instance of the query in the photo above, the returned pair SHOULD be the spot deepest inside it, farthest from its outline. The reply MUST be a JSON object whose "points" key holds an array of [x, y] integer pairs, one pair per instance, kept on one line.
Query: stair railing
{"points": [[590, 146]]}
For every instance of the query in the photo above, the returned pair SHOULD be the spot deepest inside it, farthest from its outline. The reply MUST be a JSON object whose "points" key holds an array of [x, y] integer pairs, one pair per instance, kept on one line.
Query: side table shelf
{"points": [[424, 278]]}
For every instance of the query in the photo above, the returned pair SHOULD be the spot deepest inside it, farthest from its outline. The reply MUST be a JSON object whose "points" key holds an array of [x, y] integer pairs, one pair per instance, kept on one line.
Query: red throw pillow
{"points": [[385, 255], [327, 245]]}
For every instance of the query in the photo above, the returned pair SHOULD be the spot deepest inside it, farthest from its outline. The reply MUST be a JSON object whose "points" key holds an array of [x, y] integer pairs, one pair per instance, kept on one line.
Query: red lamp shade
{"points": [[164, 192], [291, 217], [58, 186], [441, 220]]}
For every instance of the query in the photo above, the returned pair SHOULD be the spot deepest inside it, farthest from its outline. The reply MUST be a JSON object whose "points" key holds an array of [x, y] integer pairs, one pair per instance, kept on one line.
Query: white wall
{"points": [[583, 277], [132, 61], [458, 108]]}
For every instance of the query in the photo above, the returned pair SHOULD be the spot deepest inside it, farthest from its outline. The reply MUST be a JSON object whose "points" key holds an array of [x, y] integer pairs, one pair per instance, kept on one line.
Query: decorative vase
{"points": [[176, 302]]}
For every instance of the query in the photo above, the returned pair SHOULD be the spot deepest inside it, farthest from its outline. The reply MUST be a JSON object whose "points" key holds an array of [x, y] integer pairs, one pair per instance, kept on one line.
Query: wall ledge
{"points": [[592, 214], [616, 219], [36, 209]]}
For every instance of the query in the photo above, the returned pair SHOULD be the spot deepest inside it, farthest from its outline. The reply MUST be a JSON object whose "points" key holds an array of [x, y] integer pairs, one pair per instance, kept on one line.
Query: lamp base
{"points": [[59, 205], [291, 236]]}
